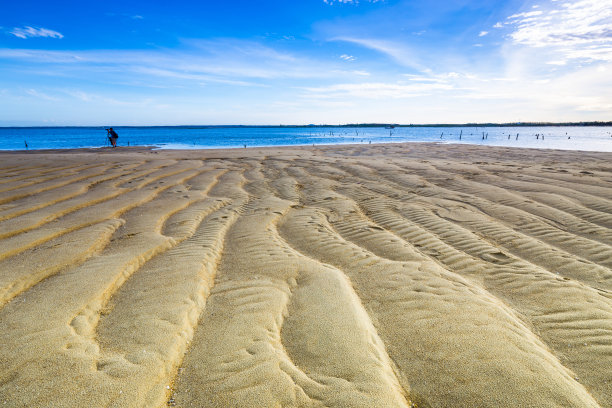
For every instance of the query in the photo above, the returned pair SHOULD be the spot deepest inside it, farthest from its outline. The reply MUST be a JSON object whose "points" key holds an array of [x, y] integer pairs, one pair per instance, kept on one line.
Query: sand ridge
{"points": [[350, 276]]}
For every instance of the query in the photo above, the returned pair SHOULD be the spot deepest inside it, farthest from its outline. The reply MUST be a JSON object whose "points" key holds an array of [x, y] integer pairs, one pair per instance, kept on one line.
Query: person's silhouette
{"points": [[112, 136]]}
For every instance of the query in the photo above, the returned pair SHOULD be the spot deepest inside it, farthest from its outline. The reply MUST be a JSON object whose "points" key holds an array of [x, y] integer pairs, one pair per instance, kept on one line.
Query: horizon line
{"points": [[374, 124]]}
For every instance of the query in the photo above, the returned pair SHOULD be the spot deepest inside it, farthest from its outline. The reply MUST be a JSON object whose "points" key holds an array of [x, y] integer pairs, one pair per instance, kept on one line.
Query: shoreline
{"points": [[316, 146]]}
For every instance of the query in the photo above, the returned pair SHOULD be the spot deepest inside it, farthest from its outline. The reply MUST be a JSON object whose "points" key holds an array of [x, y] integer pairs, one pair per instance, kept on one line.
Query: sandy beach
{"points": [[399, 275]]}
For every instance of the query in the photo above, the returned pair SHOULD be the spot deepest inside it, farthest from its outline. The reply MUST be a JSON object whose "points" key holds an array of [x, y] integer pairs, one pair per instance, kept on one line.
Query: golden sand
{"points": [[351, 276]]}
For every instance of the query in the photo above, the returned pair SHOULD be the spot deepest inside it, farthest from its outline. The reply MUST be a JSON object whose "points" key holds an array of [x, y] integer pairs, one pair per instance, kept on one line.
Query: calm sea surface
{"points": [[564, 137]]}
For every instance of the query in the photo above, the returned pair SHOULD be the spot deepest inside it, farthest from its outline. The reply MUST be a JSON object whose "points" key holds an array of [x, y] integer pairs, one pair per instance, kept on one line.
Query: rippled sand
{"points": [[357, 276]]}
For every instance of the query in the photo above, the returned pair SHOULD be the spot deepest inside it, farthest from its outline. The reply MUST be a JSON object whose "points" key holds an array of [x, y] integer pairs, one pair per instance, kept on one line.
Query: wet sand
{"points": [[344, 276]]}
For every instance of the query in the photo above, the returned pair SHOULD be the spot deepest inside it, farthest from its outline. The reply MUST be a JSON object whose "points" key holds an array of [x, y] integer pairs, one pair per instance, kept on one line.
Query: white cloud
{"points": [[29, 32], [421, 78], [40, 95], [199, 63], [190, 76], [95, 98], [579, 29], [348, 1], [80, 95], [376, 90], [523, 80], [483, 33], [399, 52], [498, 25], [526, 14]]}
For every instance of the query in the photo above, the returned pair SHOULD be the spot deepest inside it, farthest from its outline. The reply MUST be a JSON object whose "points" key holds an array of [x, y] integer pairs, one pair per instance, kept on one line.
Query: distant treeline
{"points": [[516, 124], [378, 125], [348, 125]]}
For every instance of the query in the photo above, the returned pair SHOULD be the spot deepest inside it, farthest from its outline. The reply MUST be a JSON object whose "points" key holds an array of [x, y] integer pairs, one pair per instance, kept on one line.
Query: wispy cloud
{"points": [[524, 15], [40, 95], [422, 78], [95, 98], [195, 77], [30, 32], [346, 68], [376, 90], [560, 63], [198, 63], [349, 1], [578, 29], [399, 52]]}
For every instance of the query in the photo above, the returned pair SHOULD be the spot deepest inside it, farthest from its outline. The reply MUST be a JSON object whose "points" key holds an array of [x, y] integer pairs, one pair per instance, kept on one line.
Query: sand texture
{"points": [[409, 275]]}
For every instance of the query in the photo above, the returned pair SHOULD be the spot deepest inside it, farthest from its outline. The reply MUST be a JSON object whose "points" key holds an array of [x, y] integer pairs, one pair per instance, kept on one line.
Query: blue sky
{"points": [[309, 61]]}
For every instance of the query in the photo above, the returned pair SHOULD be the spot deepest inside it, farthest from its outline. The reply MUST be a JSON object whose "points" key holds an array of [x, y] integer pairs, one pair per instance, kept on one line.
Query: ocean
{"points": [[588, 138]]}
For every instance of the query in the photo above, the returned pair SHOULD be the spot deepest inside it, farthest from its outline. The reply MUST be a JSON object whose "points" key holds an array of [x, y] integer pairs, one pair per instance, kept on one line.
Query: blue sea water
{"points": [[562, 137]]}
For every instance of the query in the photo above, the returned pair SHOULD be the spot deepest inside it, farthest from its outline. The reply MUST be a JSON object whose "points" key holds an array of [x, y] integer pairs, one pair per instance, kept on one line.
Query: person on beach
{"points": [[112, 136]]}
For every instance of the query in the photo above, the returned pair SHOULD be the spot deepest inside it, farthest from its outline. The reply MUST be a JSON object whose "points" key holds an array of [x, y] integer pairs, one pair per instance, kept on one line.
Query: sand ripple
{"points": [[381, 276]]}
